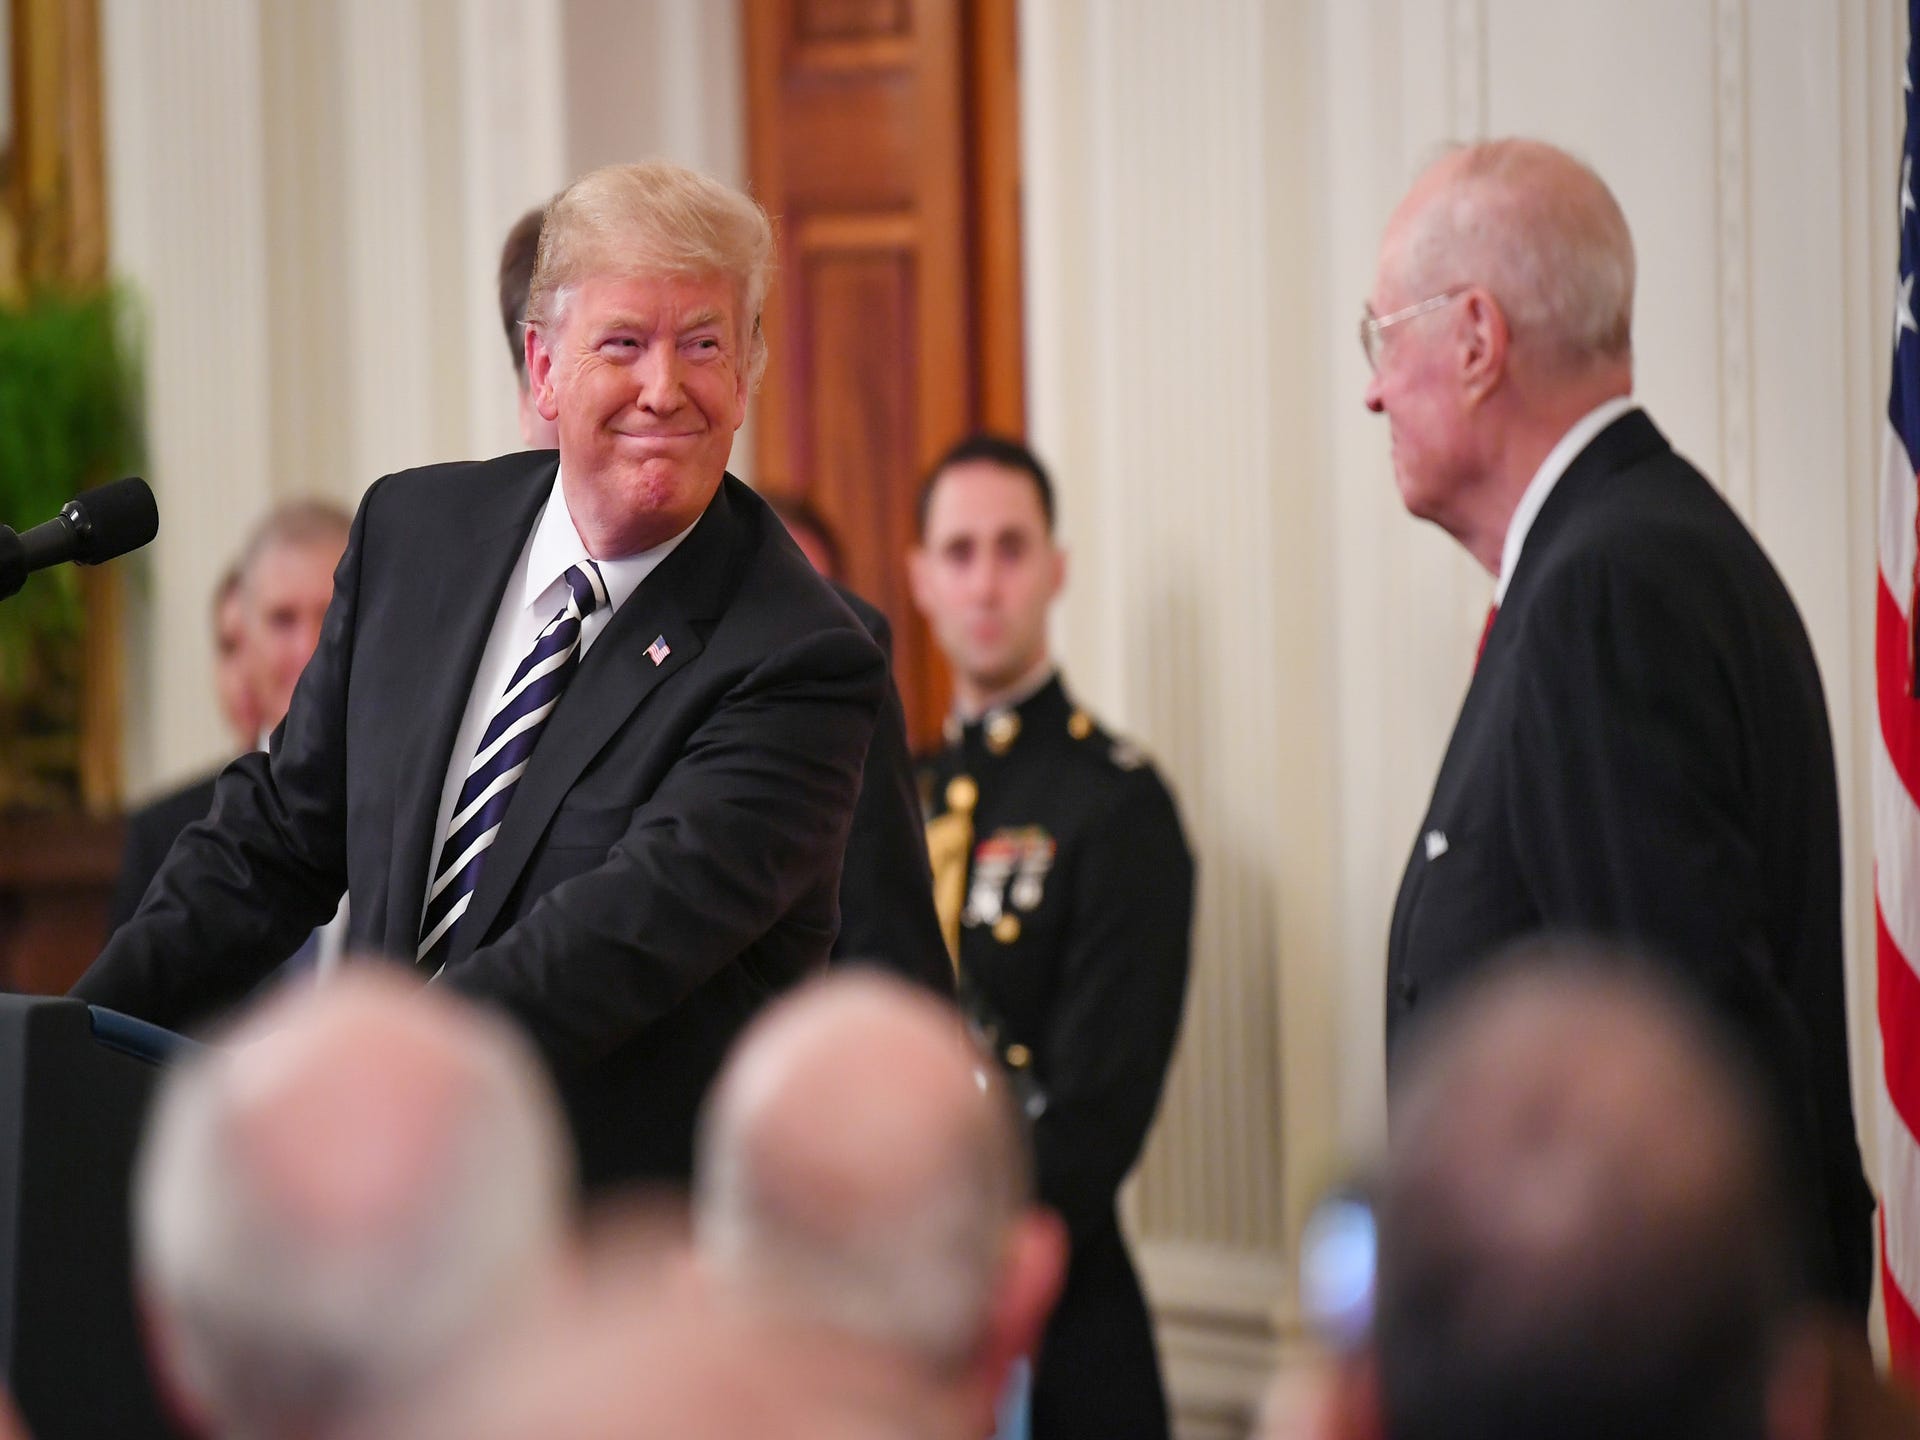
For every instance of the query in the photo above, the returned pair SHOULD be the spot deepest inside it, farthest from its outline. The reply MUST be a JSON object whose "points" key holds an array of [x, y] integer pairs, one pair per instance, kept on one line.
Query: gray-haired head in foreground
{"points": [[340, 1201], [1581, 1226], [860, 1167]]}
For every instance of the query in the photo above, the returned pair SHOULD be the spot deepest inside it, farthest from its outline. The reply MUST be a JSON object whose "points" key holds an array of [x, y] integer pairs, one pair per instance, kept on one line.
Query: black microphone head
{"points": [[111, 519]]}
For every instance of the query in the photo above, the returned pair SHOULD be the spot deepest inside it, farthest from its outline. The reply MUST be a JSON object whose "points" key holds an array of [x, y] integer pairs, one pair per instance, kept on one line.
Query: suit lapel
{"points": [[619, 672], [453, 617]]}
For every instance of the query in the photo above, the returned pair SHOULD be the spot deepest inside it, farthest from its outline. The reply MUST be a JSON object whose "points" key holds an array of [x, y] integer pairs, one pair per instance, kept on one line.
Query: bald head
{"points": [[341, 1198], [1540, 231], [1580, 1227], [860, 1165]]}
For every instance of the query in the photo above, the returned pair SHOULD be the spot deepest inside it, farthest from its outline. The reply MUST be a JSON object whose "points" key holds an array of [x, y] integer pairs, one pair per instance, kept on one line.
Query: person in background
{"points": [[1066, 891], [230, 686], [517, 259], [267, 611]]}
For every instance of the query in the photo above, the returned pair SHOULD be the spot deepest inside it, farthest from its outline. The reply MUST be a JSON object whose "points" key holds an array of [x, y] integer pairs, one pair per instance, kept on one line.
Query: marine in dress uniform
{"points": [[1065, 888]]}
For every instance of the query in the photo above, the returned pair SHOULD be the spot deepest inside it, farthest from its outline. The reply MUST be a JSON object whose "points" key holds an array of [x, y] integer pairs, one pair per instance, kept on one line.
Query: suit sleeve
{"points": [[1122, 986], [241, 889], [886, 890], [752, 816]]}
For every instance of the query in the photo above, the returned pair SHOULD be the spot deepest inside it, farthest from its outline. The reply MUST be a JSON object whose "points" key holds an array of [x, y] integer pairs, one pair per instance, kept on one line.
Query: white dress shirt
{"points": [[1582, 434], [535, 593]]}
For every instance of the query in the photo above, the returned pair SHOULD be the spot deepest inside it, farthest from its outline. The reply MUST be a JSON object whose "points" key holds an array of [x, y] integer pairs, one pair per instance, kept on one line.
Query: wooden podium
{"points": [[56, 873]]}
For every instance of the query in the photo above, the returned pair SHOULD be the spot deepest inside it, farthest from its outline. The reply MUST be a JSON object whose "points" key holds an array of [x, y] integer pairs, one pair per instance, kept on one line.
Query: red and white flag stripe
{"points": [[1896, 849]]}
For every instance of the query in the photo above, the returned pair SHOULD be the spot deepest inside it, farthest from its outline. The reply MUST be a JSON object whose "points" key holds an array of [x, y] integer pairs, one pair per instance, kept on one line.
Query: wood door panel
{"points": [[860, 419], [880, 138], [849, 19], [835, 117]]}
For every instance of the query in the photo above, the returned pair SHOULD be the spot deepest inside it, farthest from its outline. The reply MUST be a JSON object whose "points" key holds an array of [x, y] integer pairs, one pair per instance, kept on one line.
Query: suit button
{"points": [[1409, 992]]}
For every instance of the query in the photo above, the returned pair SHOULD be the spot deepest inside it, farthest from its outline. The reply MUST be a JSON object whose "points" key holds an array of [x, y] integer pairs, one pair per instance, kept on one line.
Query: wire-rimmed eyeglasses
{"points": [[1371, 325]]}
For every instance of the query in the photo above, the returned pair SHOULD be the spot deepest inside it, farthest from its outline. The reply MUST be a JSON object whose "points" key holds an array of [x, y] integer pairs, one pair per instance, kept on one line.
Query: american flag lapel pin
{"points": [[659, 650]]}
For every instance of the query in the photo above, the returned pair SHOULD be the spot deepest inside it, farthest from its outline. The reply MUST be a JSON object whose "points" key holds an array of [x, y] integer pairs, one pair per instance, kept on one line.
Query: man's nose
{"points": [[660, 388]]}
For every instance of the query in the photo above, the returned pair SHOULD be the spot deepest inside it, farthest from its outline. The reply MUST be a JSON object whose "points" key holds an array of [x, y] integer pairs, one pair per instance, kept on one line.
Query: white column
{"points": [[186, 189]]}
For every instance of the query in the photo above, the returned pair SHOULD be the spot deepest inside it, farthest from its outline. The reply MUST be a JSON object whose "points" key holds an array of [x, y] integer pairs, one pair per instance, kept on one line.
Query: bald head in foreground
{"points": [[866, 1262], [1581, 1231], [862, 1184], [1643, 754], [361, 1186]]}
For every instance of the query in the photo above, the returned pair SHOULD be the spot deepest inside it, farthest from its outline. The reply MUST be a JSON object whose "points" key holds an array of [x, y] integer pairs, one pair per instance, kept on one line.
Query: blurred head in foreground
{"points": [[355, 1190], [1580, 1227], [861, 1177]]}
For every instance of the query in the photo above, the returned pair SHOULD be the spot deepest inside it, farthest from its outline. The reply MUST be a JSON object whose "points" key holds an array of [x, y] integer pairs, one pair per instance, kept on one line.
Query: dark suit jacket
{"points": [[1643, 755], [886, 888], [151, 831], [671, 856]]}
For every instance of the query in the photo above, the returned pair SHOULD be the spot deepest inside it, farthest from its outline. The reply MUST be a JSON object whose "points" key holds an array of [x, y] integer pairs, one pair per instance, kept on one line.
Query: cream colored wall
{"points": [[1205, 185], [311, 197]]}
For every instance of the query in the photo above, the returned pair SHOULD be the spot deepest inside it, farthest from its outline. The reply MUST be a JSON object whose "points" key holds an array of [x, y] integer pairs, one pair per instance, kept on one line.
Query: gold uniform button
{"points": [[1019, 1057], [962, 794], [1003, 728], [1006, 929], [1079, 725]]}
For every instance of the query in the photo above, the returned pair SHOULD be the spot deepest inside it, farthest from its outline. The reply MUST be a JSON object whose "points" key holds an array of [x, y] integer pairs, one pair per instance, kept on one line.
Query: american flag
{"points": [[1896, 793]]}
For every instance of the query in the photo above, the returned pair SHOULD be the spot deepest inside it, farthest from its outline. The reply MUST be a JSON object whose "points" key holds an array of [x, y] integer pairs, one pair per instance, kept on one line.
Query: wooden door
{"points": [[884, 143]]}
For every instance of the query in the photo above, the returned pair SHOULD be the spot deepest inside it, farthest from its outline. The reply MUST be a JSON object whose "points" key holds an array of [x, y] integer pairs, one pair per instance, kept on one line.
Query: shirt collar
{"points": [[557, 545], [1581, 435]]}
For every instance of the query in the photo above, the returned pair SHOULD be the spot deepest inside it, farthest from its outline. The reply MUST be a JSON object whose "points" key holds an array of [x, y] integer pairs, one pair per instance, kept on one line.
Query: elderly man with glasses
{"points": [[1643, 752]]}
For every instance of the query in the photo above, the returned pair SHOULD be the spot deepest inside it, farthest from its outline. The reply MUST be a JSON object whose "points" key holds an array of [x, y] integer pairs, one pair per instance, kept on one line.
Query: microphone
{"points": [[96, 525]]}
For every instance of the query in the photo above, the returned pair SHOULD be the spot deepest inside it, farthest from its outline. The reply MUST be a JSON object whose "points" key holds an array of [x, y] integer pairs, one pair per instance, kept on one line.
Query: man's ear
{"points": [[1484, 344], [1030, 1278], [540, 373]]}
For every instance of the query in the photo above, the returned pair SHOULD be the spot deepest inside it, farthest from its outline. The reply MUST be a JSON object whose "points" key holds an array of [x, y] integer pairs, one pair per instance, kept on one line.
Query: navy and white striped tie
{"points": [[499, 761]]}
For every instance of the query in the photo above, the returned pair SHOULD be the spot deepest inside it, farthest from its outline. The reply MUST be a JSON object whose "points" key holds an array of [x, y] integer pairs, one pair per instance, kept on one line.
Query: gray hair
{"points": [[293, 522], [273, 1327], [1543, 233], [655, 218], [917, 1268]]}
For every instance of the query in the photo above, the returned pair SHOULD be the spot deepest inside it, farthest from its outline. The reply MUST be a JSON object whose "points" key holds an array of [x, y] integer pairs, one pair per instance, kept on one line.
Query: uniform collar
{"points": [[1033, 703]]}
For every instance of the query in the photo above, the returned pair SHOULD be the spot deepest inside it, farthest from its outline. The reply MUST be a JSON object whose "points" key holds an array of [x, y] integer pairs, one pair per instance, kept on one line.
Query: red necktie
{"points": [[1485, 630]]}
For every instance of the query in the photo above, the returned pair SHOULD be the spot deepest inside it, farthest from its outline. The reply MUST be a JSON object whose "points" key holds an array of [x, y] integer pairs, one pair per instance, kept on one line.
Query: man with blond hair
{"points": [[583, 732], [1643, 753], [356, 1193]]}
